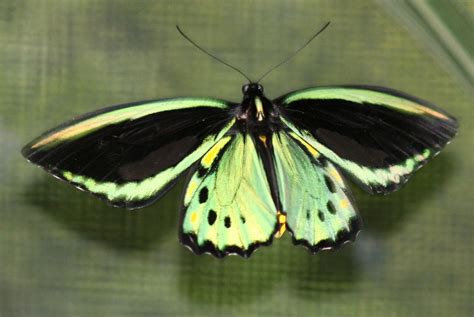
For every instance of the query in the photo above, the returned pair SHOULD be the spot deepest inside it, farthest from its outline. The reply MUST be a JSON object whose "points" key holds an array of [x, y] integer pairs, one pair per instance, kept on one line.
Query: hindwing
{"points": [[320, 213], [228, 206]]}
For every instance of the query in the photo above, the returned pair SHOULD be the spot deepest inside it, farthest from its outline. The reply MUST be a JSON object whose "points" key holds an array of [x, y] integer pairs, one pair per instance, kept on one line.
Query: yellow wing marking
{"points": [[193, 217], [282, 224], [214, 151], [344, 203], [310, 148], [193, 184], [336, 176]]}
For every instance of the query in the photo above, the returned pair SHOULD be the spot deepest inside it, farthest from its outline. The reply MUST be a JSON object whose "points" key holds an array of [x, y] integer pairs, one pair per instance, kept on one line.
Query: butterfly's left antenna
{"points": [[211, 55]]}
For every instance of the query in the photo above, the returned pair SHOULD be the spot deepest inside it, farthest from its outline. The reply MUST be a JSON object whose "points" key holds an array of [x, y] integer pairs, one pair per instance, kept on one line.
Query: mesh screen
{"points": [[64, 253]]}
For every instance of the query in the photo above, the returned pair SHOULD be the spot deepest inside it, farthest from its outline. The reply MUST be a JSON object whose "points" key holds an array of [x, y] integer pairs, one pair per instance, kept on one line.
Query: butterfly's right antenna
{"points": [[294, 53], [211, 55]]}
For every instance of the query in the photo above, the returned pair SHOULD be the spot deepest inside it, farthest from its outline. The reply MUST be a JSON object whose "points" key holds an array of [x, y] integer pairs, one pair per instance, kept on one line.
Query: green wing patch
{"points": [[88, 123], [138, 193], [363, 96], [228, 207], [317, 202]]}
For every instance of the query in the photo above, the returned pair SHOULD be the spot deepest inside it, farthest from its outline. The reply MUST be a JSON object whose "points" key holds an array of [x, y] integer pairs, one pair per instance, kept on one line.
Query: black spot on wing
{"points": [[331, 207], [203, 195], [321, 215], [227, 222], [211, 217], [201, 171], [330, 184]]}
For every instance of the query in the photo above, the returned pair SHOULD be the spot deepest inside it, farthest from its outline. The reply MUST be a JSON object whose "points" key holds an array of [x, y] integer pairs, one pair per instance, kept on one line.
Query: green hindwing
{"points": [[319, 209], [228, 207]]}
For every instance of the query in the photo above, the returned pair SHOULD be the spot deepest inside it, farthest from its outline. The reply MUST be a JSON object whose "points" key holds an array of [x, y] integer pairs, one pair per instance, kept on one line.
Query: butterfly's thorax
{"points": [[256, 113]]}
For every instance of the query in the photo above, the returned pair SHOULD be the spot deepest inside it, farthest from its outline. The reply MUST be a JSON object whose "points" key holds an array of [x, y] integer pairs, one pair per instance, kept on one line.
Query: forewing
{"points": [[228, 207], [319, 209], [377, 136], [130, 154]]}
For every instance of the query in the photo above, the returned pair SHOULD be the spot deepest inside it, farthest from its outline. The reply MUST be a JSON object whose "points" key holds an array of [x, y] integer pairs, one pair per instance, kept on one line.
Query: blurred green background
{"points": [[64, 253]]}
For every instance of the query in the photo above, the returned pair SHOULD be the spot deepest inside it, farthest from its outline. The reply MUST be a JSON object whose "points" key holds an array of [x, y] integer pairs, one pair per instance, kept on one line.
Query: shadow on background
{"points": [[237, 281], [204, 280], [325, 273], [383, 214], [95, 220]]}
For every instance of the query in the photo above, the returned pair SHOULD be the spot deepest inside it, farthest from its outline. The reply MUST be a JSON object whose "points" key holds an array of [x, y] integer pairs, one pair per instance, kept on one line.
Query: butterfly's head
{"points": [[256, 112], [252, 89]]}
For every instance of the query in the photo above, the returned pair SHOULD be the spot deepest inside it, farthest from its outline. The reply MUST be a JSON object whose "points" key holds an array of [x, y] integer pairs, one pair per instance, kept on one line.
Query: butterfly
{"points": [[256, 168]]}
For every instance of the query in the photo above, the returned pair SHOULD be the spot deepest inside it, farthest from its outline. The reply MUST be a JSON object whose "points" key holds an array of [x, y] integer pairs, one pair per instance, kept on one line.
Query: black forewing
{"points": [[371, 135], [131, 150]]}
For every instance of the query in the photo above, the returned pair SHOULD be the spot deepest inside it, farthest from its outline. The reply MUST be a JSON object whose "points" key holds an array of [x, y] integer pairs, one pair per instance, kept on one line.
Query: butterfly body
{"points": [[256, 168], [257, 114]]}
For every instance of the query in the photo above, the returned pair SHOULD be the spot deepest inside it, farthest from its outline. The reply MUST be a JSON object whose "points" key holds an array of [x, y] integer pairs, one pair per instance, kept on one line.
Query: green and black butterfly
{"points": [[258, 167]]}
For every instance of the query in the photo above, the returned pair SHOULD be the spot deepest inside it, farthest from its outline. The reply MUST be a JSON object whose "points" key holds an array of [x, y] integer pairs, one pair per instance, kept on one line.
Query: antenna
{"points": [[211, 55], [295, 52]]}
